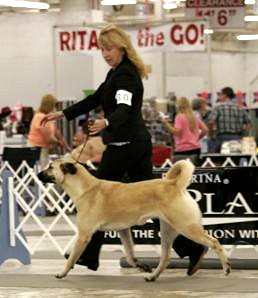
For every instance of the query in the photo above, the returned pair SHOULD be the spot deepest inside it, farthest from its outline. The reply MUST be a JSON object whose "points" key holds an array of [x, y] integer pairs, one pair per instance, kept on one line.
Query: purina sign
{"points": [[228, 200], [183, 36]]}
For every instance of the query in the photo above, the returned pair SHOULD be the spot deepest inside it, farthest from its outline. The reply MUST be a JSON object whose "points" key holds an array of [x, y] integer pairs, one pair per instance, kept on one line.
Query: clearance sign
{"points": [[183, 36], [222, 13]]}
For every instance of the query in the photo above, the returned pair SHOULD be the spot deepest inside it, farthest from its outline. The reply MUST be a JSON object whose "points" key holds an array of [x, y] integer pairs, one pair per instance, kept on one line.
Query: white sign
{"points": [[222, 13], [185, 36]]}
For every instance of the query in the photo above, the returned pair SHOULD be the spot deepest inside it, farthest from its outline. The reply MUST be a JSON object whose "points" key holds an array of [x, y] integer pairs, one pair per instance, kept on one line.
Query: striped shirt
{"points": [[229, 118]]}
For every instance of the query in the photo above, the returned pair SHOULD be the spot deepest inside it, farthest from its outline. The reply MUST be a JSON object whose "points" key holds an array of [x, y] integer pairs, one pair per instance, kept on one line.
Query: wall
{"points": [[26, 57], [27, 68]]}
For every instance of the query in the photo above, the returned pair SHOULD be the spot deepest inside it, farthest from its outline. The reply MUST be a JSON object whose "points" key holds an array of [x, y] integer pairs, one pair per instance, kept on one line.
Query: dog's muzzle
{"points": [[45, 178]]}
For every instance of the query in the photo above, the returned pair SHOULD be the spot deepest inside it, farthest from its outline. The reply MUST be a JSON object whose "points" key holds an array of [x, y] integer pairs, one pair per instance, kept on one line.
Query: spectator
{"points": [[187, 131], [46, 137], [230, 121], [201, 109]]}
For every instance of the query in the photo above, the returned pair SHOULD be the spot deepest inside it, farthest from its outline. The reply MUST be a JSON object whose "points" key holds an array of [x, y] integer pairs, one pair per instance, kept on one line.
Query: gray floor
{"points": [[37, 279]]}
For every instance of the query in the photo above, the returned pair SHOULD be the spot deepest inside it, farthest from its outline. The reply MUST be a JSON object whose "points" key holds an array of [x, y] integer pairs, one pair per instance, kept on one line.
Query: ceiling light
{"points": [[250, 2], [208, 31], [247, 37], [169, 5], [24, 4], [117, 2], [251, 18]]}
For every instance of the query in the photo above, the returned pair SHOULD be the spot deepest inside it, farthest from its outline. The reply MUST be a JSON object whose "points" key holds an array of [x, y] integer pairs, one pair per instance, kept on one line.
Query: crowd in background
{"points": [[189, 127]]}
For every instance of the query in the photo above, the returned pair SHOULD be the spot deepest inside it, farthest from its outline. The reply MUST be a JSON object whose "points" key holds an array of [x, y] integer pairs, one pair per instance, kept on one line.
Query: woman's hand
{"points": [[97, 126], [51, 117]]}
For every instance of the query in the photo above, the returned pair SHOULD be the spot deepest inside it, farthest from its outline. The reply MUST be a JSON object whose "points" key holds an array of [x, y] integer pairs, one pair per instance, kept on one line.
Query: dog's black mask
{"points": [[45, 178], [68, 168]]}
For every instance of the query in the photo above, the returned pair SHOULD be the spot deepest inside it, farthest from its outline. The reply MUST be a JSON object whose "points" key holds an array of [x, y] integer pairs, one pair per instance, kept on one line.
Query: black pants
{"points": [[134, 160]]}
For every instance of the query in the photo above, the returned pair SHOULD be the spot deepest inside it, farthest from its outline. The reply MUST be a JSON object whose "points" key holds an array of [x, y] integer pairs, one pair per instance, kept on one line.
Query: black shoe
{"points": [[196, 259], [92, 265]]}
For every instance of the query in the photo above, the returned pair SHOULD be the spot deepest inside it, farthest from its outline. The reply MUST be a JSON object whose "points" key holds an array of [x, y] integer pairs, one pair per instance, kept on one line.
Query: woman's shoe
{"points": [[196, 259], [92, 265]]}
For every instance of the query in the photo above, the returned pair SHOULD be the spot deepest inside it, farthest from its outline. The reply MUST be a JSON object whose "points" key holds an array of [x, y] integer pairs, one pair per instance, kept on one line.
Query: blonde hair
{"points": [[48, 104], [184, 106], [114, 36]]}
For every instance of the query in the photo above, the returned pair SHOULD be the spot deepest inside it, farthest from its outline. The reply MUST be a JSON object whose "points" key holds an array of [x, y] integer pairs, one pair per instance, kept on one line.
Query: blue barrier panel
{"points": [[7, 251]]}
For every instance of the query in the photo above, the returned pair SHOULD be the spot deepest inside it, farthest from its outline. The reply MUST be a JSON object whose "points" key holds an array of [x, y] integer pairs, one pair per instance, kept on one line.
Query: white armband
{"points": [[106, 122], [90, 164], [123, 96]]}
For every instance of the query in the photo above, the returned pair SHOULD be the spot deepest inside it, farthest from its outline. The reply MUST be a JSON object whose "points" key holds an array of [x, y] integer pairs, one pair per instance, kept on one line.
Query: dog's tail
{"points": [[181, 172]]}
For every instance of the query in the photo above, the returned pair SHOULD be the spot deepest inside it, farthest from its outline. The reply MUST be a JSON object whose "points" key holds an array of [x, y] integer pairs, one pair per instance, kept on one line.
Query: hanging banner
{"points": [[185, 36], [222, 13], [227, 197]]}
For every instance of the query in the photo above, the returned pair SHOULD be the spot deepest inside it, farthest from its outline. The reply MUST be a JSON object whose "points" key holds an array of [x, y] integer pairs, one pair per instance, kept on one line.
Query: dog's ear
{"points": [[68, 168]]}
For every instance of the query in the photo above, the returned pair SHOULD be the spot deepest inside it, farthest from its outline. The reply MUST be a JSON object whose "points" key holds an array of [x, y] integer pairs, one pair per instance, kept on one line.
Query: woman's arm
{"points": [[61, 141], [175, 131]]}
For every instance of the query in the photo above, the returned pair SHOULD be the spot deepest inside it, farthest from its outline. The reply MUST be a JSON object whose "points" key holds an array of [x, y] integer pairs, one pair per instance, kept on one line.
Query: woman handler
{"points": [[123, 130]]}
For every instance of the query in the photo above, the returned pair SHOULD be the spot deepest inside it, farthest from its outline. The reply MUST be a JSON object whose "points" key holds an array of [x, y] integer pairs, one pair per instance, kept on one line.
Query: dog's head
{"points": [[57, 170]]}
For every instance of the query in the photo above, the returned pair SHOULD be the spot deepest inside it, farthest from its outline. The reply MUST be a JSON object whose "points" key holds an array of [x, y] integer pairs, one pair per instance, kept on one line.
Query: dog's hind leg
{"points": [[127, 241], [78, 248], [197, 233], [167, 234]]}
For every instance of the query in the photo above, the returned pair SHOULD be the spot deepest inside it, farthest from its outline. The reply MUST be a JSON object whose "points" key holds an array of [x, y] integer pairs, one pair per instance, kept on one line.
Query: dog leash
{"points": [[80, 153]]}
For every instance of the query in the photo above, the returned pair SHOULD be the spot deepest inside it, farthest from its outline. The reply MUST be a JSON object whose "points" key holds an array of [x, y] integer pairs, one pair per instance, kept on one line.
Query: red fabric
{"points": [[160, 154]]}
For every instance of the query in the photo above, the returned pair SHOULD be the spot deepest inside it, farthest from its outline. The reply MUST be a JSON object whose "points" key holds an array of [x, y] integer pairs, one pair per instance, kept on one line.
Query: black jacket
{"points": [[125, 120]]}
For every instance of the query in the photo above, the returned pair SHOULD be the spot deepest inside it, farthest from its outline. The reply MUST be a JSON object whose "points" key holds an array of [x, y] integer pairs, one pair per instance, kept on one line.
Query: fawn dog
{"points": [[106, 205]]}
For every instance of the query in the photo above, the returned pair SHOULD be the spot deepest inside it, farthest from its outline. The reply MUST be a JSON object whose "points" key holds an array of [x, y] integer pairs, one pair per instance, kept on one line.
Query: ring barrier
{"points": [[25, 201]]}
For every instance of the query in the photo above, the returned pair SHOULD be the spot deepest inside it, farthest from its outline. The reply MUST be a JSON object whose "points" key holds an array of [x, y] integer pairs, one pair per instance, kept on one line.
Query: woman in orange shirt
{"points": [[46, 137]]}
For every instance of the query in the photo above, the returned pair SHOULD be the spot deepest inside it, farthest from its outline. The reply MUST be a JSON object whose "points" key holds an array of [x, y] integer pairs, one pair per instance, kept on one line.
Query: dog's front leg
{"points": [[77, 250]]}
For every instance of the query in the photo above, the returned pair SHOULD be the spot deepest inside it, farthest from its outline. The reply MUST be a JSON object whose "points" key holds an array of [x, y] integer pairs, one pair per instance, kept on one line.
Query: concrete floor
{"points": [[37, 280]]}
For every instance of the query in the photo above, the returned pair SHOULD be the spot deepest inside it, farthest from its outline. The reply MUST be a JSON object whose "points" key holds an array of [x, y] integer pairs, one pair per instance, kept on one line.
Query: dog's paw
{"points": [[60, 275], [227, 269], [149, 278]]}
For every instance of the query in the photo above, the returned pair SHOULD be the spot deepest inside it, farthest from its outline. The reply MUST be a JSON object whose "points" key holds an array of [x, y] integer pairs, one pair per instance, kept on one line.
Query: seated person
{"points": [[89, 149]]}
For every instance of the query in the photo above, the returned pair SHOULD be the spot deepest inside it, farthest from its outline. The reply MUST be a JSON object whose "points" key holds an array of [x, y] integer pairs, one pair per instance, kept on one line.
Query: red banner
{"points": [[184, 36]]}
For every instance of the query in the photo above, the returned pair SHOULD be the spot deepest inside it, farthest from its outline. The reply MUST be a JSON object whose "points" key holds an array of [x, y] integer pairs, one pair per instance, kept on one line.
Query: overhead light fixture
{"points": [[250, 2], [251, 18], [169, 5], [24, 4], [117, 2], [247, 37], [208, 31]]}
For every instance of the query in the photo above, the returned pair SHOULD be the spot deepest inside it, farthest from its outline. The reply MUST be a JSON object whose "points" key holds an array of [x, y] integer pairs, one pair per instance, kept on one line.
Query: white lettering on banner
{"points": [[222, 13], [253, 234], [184, 36], [206, 178], [111, 234], [238, 202], [220, 233], [143, 233], [124, 97]]}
